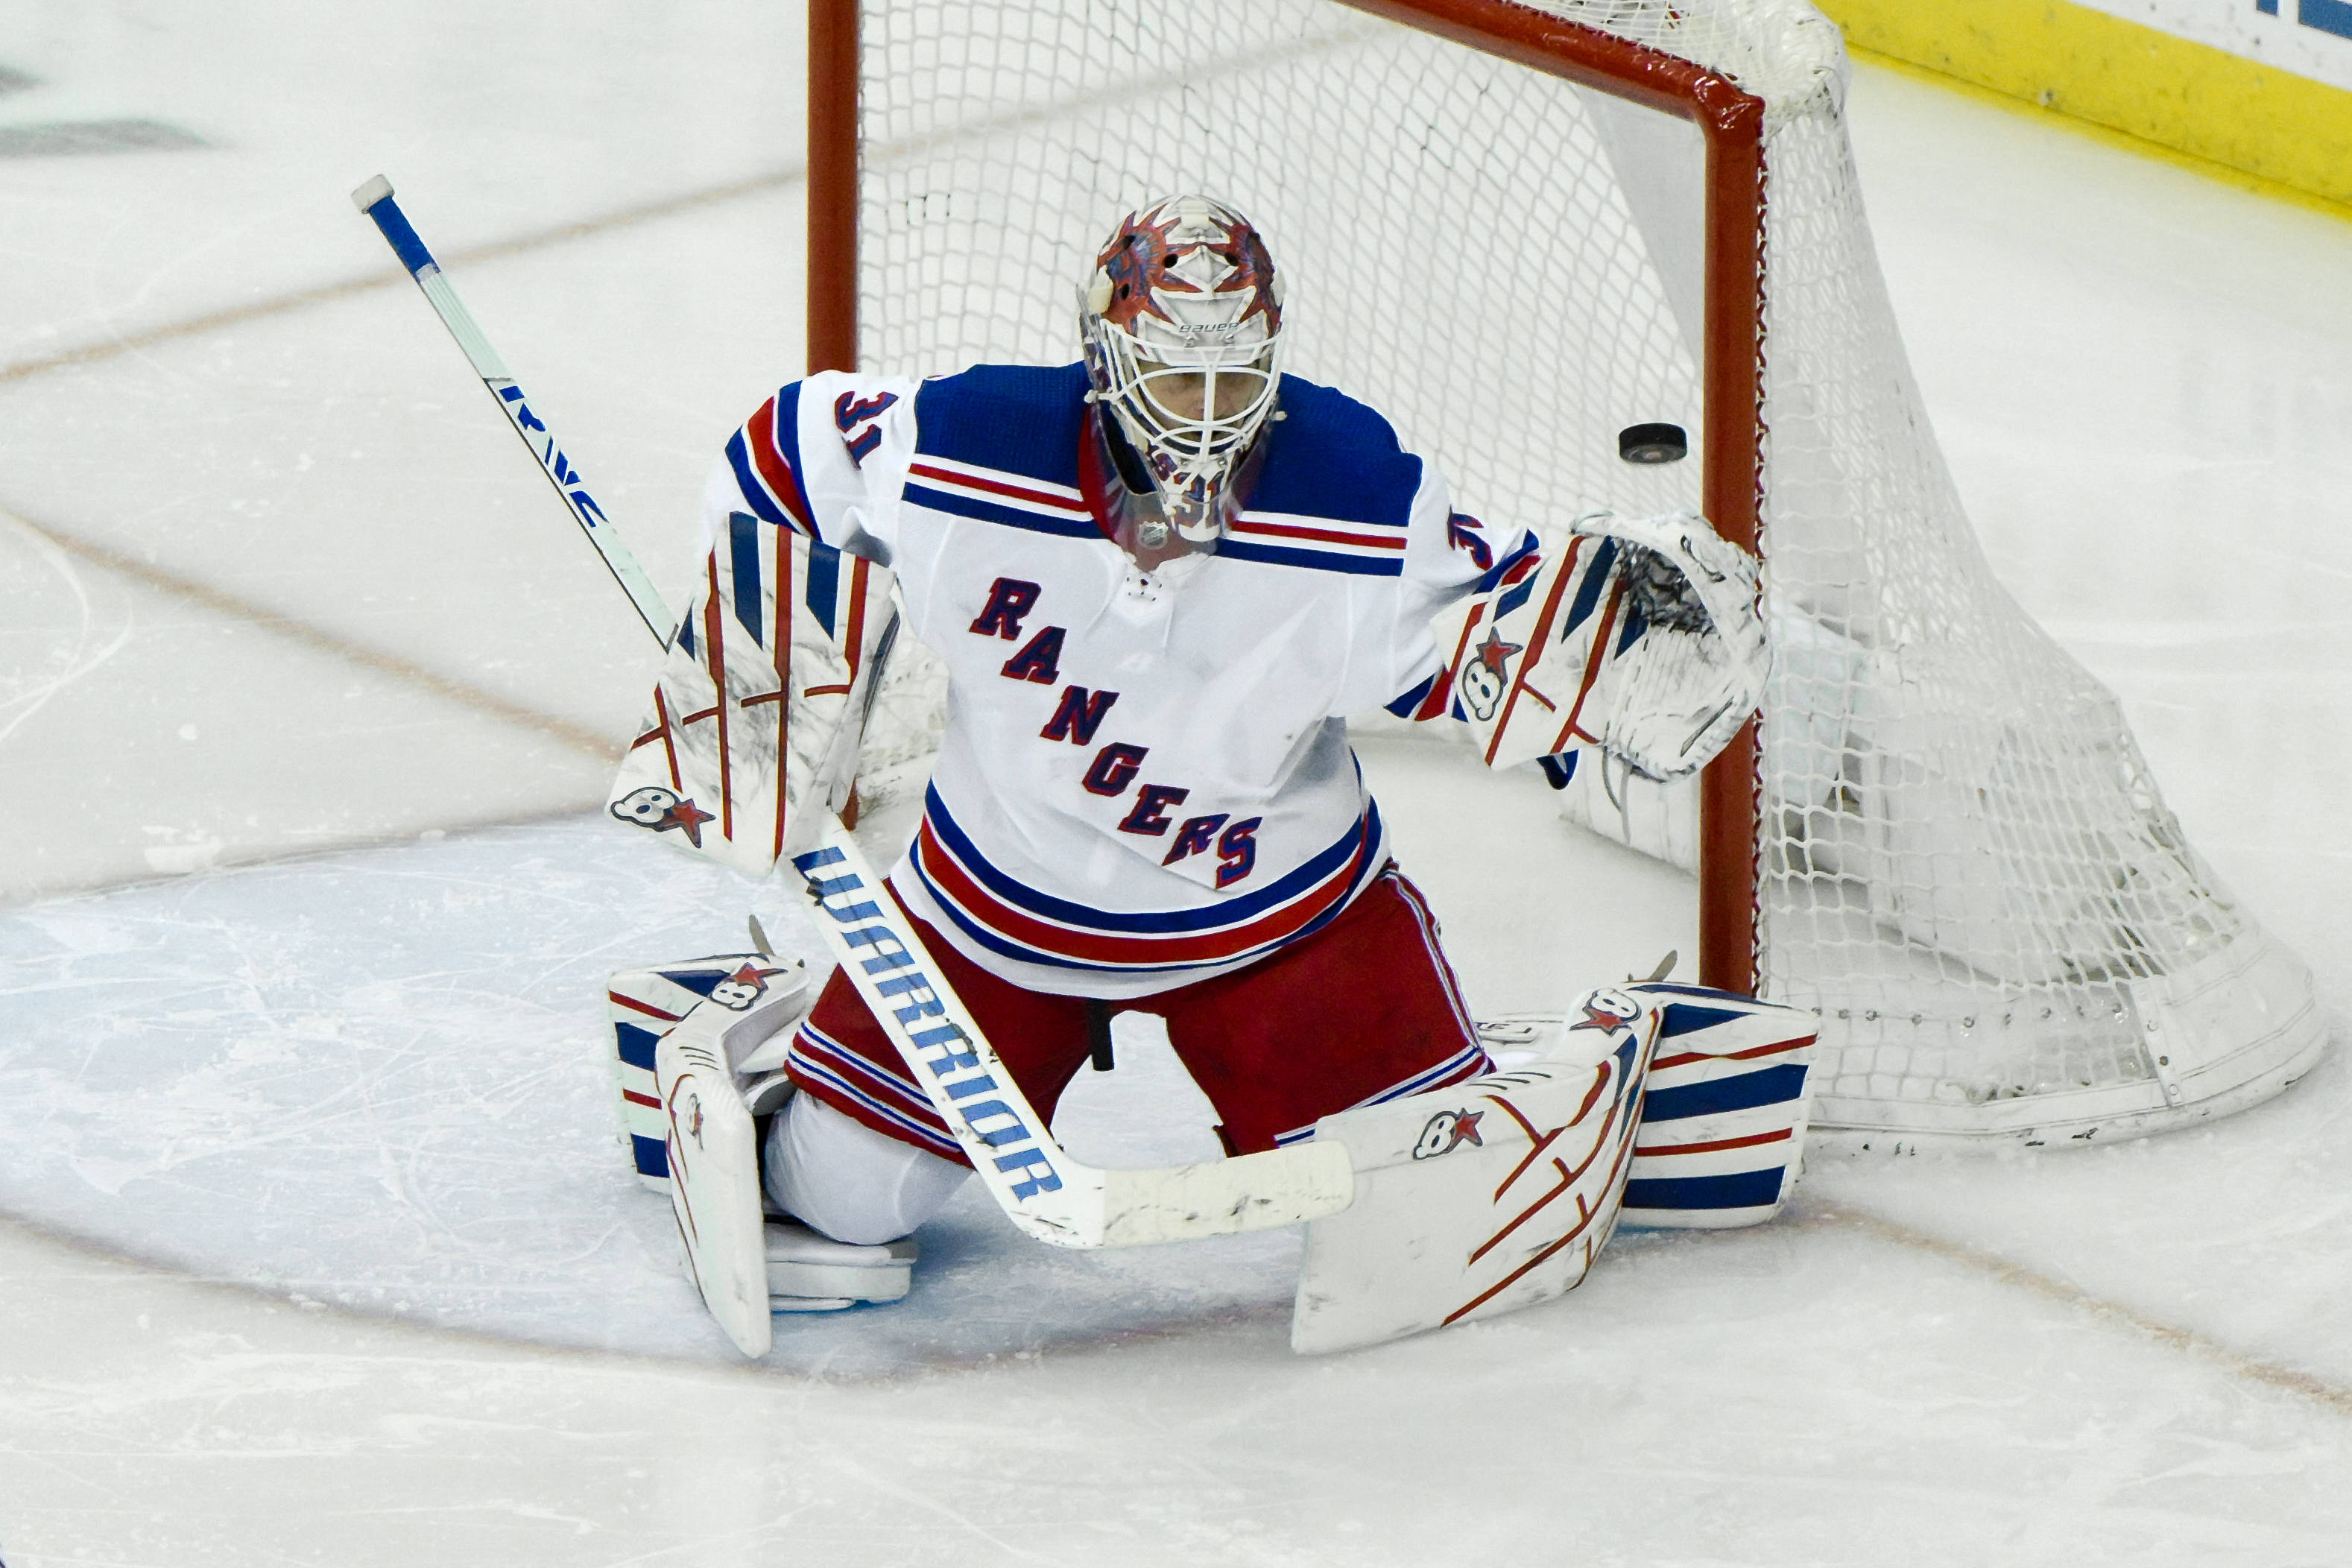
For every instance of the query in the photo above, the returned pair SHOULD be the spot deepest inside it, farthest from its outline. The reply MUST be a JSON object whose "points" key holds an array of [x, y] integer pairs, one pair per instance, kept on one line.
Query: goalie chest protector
{"points": [[1145, 779]]}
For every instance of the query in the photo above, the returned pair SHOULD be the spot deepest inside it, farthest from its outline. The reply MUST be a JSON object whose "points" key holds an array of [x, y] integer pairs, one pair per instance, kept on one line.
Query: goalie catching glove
{"points": [[1642, 637], [752, 738]]}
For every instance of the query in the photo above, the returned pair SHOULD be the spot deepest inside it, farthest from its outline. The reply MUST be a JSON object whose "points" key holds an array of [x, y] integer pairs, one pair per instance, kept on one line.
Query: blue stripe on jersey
{"points": [[755, 494], [1015, 418], [823, 583], [1403, 706], [1743, 1190], [744, 551], [1313, 560], [1070, 525], [996, 941], [1769, 1085], [1237, 910], [1330, 456]]}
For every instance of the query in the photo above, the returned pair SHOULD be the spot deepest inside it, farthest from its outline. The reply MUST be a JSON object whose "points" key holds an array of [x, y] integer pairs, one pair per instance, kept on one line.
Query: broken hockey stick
{"points": [[1048, 1193], [375, 199]]}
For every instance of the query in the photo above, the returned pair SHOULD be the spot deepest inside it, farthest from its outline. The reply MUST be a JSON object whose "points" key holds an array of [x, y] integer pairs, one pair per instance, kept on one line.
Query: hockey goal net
{"points": [[1518, 230]]}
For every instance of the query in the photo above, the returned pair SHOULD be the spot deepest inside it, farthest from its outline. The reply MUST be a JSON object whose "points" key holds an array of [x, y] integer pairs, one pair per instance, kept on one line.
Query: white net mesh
{"points": [[1963, 863]]}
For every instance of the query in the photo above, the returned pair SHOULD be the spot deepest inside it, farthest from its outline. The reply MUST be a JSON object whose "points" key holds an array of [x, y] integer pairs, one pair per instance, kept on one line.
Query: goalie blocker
{"points": [[751, 742]]}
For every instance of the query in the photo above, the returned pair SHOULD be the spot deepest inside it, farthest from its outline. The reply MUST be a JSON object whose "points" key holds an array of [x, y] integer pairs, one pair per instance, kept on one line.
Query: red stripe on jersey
{"points": [[759, 436], [1291, 531], [1096, 947], [997, 487]]}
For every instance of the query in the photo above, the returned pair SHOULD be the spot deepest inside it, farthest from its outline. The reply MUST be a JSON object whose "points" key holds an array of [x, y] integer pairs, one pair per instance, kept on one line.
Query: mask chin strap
{"points": [[1133, 471], [1142, 507]]}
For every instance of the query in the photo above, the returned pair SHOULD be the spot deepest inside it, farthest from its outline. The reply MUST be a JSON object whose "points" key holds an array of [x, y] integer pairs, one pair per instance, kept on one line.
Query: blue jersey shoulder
{"points": [[1330, 456], [1017, 418]]}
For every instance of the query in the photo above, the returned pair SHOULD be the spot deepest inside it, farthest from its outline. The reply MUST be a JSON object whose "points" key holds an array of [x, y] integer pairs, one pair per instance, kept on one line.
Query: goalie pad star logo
{"points": [[1446, 1131], [1607, 1012], [741, 989], [661, 810], [1495, 652]]}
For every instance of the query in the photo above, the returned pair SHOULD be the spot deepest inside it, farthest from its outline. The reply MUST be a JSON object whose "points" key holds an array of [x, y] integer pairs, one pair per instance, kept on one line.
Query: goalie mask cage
{"points": [[1517, 230]]}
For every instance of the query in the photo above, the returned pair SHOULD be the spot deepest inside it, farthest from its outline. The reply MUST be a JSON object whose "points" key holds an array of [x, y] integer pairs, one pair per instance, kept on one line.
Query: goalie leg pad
{"points": [[1724, 1114], [713, 1159], [1491, 1195]]}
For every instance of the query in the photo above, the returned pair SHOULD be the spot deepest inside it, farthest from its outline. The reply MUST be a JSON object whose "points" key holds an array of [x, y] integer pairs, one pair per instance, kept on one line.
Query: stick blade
{"points": [[1254, 1192]]}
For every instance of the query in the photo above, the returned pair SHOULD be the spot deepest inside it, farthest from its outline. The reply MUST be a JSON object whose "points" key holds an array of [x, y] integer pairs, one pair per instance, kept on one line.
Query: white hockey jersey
{"points": [[1145, 779]]}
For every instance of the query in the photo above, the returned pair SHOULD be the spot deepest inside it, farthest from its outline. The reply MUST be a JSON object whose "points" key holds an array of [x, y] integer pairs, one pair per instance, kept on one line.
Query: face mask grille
{"points": [[1192, 411]]}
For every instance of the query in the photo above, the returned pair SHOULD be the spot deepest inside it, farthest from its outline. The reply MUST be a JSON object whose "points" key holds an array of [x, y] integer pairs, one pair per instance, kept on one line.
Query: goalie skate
{"points": [[811, 1273], [1488, 1196]]}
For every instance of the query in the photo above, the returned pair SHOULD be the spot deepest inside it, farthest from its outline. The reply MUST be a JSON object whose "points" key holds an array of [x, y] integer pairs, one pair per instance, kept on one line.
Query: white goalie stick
{"points": [[1048, 1194], [375, 199]]}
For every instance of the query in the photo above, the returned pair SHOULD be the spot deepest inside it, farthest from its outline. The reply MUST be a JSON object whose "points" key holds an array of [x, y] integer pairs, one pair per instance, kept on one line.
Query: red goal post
{"points": [[1731, 443]]}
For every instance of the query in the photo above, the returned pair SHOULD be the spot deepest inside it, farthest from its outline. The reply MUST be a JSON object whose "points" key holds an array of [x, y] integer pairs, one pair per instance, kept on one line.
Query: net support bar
{"points": [[1731, 445], [832, 250]]}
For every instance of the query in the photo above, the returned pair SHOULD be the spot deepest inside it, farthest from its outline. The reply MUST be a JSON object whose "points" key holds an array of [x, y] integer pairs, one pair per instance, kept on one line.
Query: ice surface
{"points": [[377, 1075], [381, 1079]]}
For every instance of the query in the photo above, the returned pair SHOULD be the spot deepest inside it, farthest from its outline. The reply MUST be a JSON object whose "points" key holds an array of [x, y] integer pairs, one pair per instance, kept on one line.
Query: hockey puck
{"points": [[1653, 443]]}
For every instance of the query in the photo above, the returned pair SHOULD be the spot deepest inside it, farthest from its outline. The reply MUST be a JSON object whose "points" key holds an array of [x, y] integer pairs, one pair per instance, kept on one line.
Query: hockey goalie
{"points": [[1159, 579]]}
